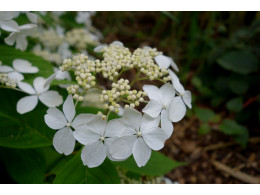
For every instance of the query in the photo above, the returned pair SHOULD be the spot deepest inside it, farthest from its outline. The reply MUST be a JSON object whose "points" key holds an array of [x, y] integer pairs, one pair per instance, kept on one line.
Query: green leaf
{"points": [[204, 114], [22, 131], [243, 62], [24, 166], [204, 129], [8, 54], [74, 172], [239, 132], [235, 104], [158, 165], [238, 85]]}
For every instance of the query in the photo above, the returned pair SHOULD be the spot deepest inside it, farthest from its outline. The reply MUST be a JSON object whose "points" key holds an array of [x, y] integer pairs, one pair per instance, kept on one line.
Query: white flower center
{"points": [[139, 134], [68, 125], [164, 106], [102, 138]]}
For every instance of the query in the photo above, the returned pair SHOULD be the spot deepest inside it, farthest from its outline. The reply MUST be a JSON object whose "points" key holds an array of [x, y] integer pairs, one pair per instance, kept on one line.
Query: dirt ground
{"points": [[212, 158]]}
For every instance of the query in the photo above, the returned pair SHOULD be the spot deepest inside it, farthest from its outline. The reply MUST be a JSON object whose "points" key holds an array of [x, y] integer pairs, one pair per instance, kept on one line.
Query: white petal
{"points": [[38, 84], [162, 61], [115, 128], [167, 94], [108, 142], [122, 147], [10, 26], [10, 40], [69, 108], [21, 42], [174, 66], [28, 29], [97, 125], [99, 48], [8, 15], [118, 43], [26, 88], [16, 76], [177, 109], [24, 66], [94, 154], [6, 69], [26, 104], [55, 118], [129, 131], [166, 124], [132, 117], [82, 120], [141, 152], [48, 81], [153, 92], [153, 108], [64, 141], [51, 98], [32, 17], [148, 123], [86, 136], [155, 138], [176, 82], [187, 98]]}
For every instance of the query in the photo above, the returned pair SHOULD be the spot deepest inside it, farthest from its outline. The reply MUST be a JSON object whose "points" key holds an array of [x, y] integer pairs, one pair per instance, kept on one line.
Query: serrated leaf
{"points": [[239, 132], [243, 62], [24, 166], [157, 165], [235, 104]]}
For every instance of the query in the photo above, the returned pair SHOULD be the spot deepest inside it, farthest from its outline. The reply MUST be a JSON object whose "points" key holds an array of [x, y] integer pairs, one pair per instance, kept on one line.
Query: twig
{"points": [[253, 140], [237, 174]]}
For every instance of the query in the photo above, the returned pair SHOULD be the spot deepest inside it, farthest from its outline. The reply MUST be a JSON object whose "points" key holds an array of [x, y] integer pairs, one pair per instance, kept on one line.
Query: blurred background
{"points": [[218, 56]]}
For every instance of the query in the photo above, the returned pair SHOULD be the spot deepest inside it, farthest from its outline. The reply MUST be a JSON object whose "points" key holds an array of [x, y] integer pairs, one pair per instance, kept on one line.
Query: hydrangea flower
{"points": [[20, 37], [19, 66], [160, 101], [185, 94], [6, 22], [97, 136], [166, 62], [64, 141], [142, 135], [49, 98]]}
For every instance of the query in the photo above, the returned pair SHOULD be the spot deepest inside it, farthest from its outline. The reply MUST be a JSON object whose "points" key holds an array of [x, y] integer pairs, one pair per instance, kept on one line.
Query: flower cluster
{"points": [[135, 133], [20, 66], [80, 38]]}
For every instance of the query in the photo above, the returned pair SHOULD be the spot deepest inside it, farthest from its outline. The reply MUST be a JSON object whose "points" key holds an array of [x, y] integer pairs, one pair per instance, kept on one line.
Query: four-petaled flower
{"points": [[49, 98], [97, 136], [63, 140], [20, 37], [160, 101], [141, 136], [19, 66]]}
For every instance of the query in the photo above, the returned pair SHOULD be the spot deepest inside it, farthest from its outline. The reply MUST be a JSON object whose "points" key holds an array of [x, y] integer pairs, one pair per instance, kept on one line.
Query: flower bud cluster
{"points": [[5, 80], [143, 59], [121, 92], [80, 38], [84, 71], [116, 57], [50, 38]]}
